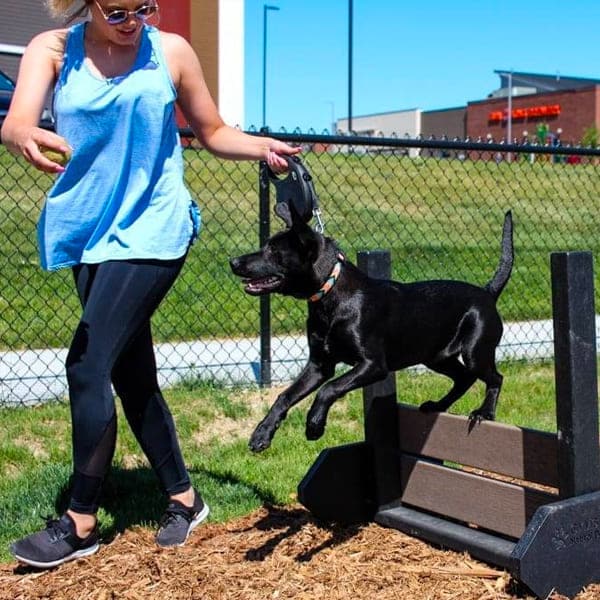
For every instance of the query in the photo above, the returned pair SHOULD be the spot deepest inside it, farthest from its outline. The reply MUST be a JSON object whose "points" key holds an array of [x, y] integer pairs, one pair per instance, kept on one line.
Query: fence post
{"points": [[575, 372], [380, 406], [264, 215]]}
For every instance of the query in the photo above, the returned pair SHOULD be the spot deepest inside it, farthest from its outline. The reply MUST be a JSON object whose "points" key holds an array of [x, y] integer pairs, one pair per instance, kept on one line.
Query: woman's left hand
{"points": [[275, 155]]}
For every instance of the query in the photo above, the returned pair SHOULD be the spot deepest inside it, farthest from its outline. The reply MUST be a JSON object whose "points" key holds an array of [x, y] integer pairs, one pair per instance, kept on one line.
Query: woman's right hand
{"points": [[31, 142], [38, 71]]}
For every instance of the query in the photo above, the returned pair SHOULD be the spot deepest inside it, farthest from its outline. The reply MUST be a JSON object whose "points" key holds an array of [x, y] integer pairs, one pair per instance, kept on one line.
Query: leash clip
{"points": [[320, 228]]}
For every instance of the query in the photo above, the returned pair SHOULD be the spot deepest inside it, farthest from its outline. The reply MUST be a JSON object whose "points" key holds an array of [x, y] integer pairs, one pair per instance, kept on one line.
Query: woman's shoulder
{"points": [[173, 43], [178, 54], [49, 37], [49, 43]]}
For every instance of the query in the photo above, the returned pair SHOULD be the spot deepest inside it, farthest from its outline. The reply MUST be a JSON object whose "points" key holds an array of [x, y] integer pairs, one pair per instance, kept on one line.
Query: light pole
{"points": [[266, 8], [332, 120], [350, 49], [509, 122]]}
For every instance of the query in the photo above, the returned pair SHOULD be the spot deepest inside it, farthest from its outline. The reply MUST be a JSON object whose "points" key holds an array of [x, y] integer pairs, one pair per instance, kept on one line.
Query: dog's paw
{"points": [[478, 415], [260, 440], [258, 445], [314, 430]]}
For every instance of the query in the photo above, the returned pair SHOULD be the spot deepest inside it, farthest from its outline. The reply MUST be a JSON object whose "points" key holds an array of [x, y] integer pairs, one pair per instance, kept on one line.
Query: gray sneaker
{"points": [[54, 545], [179, 521]]}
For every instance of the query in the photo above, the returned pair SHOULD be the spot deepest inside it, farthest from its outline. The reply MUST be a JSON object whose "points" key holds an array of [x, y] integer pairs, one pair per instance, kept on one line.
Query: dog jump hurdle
{"points": [[525, 500]]}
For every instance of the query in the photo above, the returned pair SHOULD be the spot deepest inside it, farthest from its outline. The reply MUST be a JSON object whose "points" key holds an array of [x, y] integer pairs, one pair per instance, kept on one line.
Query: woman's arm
{"points": [[37, 73], [202, 114]]}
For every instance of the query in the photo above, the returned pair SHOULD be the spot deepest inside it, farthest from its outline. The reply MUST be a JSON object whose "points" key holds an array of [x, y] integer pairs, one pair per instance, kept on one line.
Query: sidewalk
{"points": [[31, 377]]}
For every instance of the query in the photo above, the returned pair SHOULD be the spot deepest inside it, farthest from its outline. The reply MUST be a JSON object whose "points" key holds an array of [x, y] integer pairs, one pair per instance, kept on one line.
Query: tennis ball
{"points": [[61, 158]]}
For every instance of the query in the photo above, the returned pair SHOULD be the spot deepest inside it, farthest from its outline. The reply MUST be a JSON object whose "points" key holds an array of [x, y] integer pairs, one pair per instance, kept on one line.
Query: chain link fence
{"points": [[436, 205]]}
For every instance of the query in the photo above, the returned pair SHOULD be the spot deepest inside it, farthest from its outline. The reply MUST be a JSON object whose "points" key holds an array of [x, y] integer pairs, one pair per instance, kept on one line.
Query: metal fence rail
{"points": [[437, 205]]}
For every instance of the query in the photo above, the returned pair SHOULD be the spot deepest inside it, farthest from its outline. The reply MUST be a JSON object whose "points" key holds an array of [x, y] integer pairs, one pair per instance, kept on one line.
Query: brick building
{"points": [[449, 122], [563, 107]]}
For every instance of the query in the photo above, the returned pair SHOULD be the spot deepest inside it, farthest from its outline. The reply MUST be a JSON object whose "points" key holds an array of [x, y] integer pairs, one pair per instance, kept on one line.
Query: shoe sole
{"points": [[55, 563], [201, 516], [193, 524]]}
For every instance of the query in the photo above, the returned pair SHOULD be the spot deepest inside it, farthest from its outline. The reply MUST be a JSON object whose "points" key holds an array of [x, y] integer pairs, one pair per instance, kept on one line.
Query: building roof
{"points": [[544, 83]]}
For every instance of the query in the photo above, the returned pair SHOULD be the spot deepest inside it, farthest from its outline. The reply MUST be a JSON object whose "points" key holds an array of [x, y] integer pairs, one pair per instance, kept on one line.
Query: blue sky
{"points": [[426, 54]]}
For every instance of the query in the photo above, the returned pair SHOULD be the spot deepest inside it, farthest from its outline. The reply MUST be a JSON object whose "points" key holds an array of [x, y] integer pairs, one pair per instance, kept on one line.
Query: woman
{"points": [[120, 216]]}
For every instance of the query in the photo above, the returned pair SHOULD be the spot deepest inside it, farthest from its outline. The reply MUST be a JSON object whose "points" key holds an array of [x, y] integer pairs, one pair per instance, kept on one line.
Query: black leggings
{"points": [[113, 344]]}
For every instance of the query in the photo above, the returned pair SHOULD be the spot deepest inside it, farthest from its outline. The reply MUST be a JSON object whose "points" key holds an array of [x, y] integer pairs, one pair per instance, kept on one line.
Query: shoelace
{"points": [[56, 529], [174, 513]]}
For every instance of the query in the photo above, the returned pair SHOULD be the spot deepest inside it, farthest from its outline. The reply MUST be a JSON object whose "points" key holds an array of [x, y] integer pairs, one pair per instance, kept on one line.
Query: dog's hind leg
{"points": [[480, 361], [487, 410], [463, 379], [312, 376]]}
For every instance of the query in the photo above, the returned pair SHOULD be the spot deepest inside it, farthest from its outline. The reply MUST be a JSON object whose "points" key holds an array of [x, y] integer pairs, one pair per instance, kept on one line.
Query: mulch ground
{"points": [[274, 553]]}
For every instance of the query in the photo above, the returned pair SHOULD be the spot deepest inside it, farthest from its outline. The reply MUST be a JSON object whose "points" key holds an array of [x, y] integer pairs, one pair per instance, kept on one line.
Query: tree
{"points": [[590, 137]]}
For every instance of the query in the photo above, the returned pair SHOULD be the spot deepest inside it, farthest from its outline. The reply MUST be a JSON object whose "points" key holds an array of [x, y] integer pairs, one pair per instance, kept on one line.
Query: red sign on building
{"points": [[531, 112]]}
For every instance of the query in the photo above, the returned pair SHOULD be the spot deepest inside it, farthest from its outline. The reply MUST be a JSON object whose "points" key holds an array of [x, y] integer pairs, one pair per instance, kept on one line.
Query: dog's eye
{"points": [[272, 253]]}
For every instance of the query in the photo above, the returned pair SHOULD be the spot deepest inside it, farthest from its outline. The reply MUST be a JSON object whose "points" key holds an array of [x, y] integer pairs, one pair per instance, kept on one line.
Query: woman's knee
{"points": [[82, 373]]}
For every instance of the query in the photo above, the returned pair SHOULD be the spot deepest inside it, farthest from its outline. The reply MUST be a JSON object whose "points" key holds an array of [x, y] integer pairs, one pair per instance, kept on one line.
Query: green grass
{"points": [[439, 219], [213, 424]]}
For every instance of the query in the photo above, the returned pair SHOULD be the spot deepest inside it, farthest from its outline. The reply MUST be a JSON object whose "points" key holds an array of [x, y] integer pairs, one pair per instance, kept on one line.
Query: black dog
{"points": [[376, 326]]}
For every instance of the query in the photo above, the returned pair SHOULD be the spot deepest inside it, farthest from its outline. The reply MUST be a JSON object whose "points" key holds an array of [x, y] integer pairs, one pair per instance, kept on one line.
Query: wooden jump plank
{"points": [[495, 505], [504, 449]]}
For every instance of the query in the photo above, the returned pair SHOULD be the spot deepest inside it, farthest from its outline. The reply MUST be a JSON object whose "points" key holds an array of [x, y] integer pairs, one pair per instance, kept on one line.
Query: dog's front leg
{"points": [[362, 374], [312, 376]]}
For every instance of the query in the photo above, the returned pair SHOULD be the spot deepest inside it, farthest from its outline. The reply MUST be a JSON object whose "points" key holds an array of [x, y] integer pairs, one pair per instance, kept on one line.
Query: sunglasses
{"points": [[120, 15]]}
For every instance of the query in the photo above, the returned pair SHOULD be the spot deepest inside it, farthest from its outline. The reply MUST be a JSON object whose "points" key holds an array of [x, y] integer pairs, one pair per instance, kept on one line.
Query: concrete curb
{"points": [[30, 377]]}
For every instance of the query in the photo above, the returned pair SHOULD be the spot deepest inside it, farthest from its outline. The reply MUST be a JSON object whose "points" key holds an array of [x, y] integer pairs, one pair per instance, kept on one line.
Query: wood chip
{"points": [[276, 552]]}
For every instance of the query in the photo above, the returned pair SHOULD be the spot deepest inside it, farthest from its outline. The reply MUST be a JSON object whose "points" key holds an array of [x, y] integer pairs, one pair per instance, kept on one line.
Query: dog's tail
{"points": [[502, 274]]}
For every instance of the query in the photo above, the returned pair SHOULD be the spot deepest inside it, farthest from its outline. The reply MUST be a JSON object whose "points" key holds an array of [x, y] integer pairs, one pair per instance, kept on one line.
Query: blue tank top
{"points": [[122, 195]]}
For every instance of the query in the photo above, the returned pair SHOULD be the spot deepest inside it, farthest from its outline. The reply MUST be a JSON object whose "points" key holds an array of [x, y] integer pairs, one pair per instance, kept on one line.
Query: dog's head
{"points": [[293, 262]]}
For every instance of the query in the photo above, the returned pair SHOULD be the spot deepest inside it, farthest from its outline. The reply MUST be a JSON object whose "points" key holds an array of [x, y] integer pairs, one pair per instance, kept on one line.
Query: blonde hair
{"points": [[68, 9]]}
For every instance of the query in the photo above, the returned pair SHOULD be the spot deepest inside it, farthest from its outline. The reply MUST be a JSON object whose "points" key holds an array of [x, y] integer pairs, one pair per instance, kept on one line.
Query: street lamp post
{"points": [[266, 8], [332, 118], [350, 50], [509, 124]]}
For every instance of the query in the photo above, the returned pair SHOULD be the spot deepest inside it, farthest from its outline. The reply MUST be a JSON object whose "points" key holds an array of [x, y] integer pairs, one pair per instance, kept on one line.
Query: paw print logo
{"points": [[560, 539]]}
